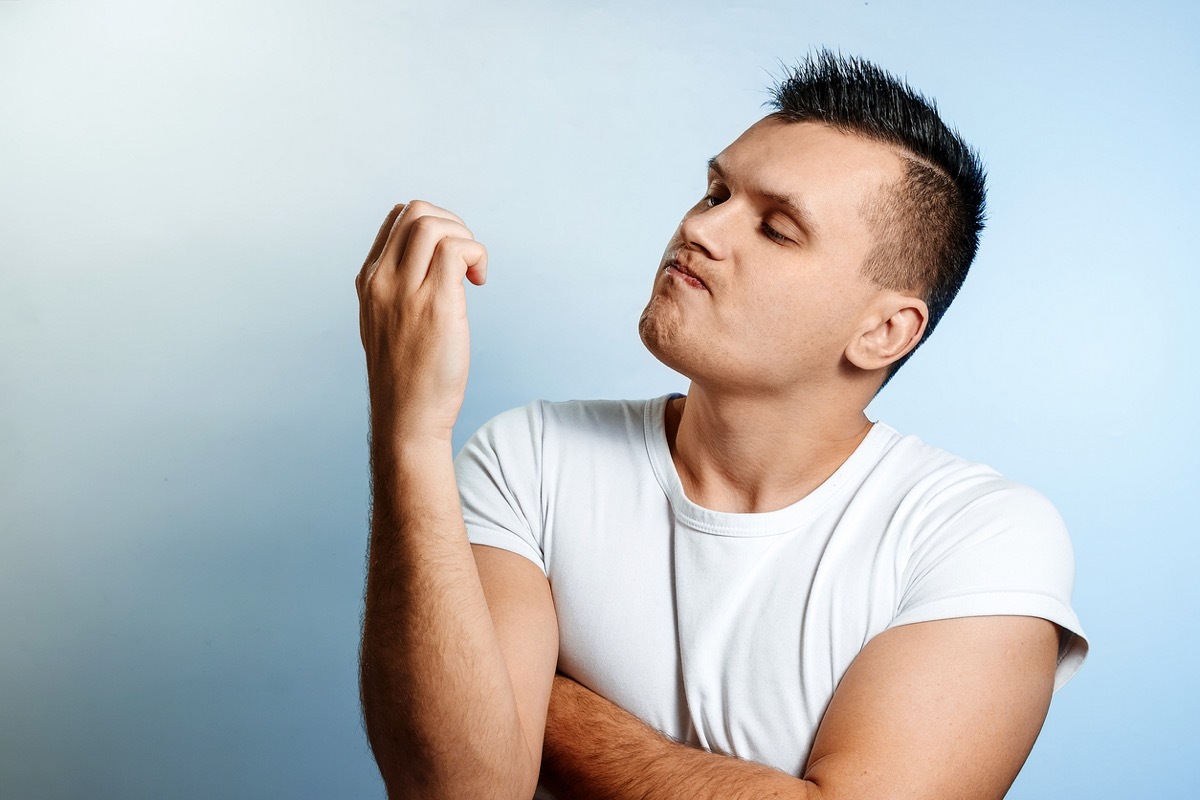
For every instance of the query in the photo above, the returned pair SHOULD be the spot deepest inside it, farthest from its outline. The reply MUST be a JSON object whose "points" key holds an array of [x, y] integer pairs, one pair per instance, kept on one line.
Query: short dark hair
{"points": [[929, 224]]}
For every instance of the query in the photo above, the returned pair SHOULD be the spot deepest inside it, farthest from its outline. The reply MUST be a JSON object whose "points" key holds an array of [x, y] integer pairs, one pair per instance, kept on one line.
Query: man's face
{"points": [[760, 288]]}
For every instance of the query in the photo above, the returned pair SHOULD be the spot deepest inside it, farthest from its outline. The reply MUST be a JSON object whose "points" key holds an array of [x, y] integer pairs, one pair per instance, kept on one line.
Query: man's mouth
{"points": [[684, 274]]}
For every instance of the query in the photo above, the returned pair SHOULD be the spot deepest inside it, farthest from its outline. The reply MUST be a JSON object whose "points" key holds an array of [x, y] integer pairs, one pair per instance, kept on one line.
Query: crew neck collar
{"points": [[767, 523]]}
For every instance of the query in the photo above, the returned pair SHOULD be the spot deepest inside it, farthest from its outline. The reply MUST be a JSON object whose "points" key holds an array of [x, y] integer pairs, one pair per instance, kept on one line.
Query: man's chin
{"points": [[664, 341]]}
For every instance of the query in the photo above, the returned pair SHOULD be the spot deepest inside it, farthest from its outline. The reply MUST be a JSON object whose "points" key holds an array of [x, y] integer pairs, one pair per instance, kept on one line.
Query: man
{"points": [[751, 591]]}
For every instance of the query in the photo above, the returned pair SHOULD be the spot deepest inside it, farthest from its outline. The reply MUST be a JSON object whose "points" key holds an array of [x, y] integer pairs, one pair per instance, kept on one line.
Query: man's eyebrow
{"points": [[797, 210]]}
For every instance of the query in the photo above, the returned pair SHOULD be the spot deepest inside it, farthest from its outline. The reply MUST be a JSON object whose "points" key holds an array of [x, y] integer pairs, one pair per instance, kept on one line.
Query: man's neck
{"points": [[743, 454]]}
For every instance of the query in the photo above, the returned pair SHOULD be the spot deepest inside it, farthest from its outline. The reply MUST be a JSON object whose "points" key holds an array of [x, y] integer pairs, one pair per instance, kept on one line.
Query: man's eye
{"points": [[711, 200], [773, 234]]}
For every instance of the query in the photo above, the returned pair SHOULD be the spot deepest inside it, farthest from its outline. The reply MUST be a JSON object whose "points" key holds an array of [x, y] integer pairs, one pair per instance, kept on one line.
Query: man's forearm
{"points": [[437, 698], [594, 749]]}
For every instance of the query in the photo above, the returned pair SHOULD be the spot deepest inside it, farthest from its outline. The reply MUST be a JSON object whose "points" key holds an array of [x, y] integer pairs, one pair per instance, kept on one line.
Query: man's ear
{"points": [[894, 328]]}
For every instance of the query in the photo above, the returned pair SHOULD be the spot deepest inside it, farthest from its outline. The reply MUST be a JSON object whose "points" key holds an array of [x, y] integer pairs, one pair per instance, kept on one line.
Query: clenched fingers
{"points": [[426, 236], [455, 258], [415, 216], [392, 239]]}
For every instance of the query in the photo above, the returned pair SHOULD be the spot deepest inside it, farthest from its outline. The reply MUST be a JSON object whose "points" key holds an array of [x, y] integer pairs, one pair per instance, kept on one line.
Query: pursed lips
{"points": [[688, 276]]}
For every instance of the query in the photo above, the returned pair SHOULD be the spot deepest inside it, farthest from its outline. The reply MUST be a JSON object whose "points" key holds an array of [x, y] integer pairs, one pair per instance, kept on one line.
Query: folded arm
{"points": [[594, 749], [946, 709]]}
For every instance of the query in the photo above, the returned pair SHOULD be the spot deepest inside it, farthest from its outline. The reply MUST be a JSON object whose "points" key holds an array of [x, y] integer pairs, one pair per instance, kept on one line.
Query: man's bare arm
{"points": [[947, 709], [595, 750], [443, 713]]}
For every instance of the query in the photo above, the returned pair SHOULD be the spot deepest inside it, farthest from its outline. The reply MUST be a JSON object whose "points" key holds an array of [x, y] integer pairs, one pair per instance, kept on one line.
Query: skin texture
{"points": [[760, 301]]}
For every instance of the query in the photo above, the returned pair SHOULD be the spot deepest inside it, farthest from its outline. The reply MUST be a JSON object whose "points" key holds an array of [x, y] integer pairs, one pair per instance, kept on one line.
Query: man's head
{"points": [[833, 234], [928, 226]]}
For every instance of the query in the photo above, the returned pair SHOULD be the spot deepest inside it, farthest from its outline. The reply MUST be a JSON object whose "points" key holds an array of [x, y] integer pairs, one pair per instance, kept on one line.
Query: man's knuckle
{"points": [[380, 283], [426, 225]]}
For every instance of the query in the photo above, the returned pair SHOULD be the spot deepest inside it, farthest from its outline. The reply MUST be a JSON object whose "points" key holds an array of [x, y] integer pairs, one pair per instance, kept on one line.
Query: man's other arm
{"points": [[947, 709], [454, 701]]}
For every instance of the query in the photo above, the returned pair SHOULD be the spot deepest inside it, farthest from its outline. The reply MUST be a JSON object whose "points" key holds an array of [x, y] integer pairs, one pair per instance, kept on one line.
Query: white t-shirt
{"points": [[731, 631]]}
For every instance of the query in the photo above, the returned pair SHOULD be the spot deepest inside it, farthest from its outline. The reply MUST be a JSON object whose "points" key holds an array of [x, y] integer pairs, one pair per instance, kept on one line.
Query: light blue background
{"points": [[186, 193]]}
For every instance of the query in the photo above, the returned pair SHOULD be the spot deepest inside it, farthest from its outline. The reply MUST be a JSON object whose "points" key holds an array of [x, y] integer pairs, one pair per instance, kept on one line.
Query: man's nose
{"points": [[706, 229]]}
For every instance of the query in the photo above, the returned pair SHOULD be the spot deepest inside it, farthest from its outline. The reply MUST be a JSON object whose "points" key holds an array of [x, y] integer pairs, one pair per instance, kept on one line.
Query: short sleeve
{"points": [[499, 483], [1000, 551]]}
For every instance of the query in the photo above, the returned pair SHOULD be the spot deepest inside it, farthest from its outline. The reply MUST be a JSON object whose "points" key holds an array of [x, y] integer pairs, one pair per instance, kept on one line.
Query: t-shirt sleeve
{"points": [[499, 483], [1005, 551]]}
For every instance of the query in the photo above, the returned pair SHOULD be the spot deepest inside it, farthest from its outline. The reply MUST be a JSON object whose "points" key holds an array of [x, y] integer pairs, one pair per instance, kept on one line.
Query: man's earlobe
{"points": [[890, 335]]}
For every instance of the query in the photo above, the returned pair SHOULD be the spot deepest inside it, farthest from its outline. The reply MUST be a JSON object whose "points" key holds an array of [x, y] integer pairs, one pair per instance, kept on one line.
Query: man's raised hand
{"points": [[413, 320], [457, 659]]}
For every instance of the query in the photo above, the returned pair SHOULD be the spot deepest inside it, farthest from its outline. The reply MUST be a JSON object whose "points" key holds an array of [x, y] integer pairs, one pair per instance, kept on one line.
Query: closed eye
{"points": [[774, 234]]}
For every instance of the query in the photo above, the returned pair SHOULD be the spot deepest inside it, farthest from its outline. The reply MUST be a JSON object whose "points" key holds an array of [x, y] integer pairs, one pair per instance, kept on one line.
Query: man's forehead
{"points": [[786, 143], [810, 164]]}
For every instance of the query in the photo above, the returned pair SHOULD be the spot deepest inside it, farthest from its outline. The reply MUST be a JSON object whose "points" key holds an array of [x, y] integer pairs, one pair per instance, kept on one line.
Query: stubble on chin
{"points": [[661, 330]]}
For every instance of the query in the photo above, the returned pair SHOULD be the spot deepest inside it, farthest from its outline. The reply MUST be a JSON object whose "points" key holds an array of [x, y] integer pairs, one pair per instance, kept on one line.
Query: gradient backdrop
{"points": [[188, 189]]}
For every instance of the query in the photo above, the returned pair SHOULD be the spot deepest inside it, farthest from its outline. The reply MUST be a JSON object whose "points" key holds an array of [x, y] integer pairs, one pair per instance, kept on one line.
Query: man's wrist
{"points": [[412, 481], [399, 438]]}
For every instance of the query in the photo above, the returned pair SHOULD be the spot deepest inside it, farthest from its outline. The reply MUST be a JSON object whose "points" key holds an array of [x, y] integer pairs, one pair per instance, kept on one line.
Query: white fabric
{"points": [[731, 631]]}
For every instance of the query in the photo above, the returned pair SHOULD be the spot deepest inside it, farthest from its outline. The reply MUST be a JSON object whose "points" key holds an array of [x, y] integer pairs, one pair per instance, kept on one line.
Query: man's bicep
{"points": [[522, 610], [944, 709]]}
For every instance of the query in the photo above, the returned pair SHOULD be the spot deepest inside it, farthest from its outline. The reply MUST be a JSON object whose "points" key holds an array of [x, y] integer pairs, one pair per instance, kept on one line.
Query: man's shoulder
{"points": [[536, 447], [933, 479]]}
